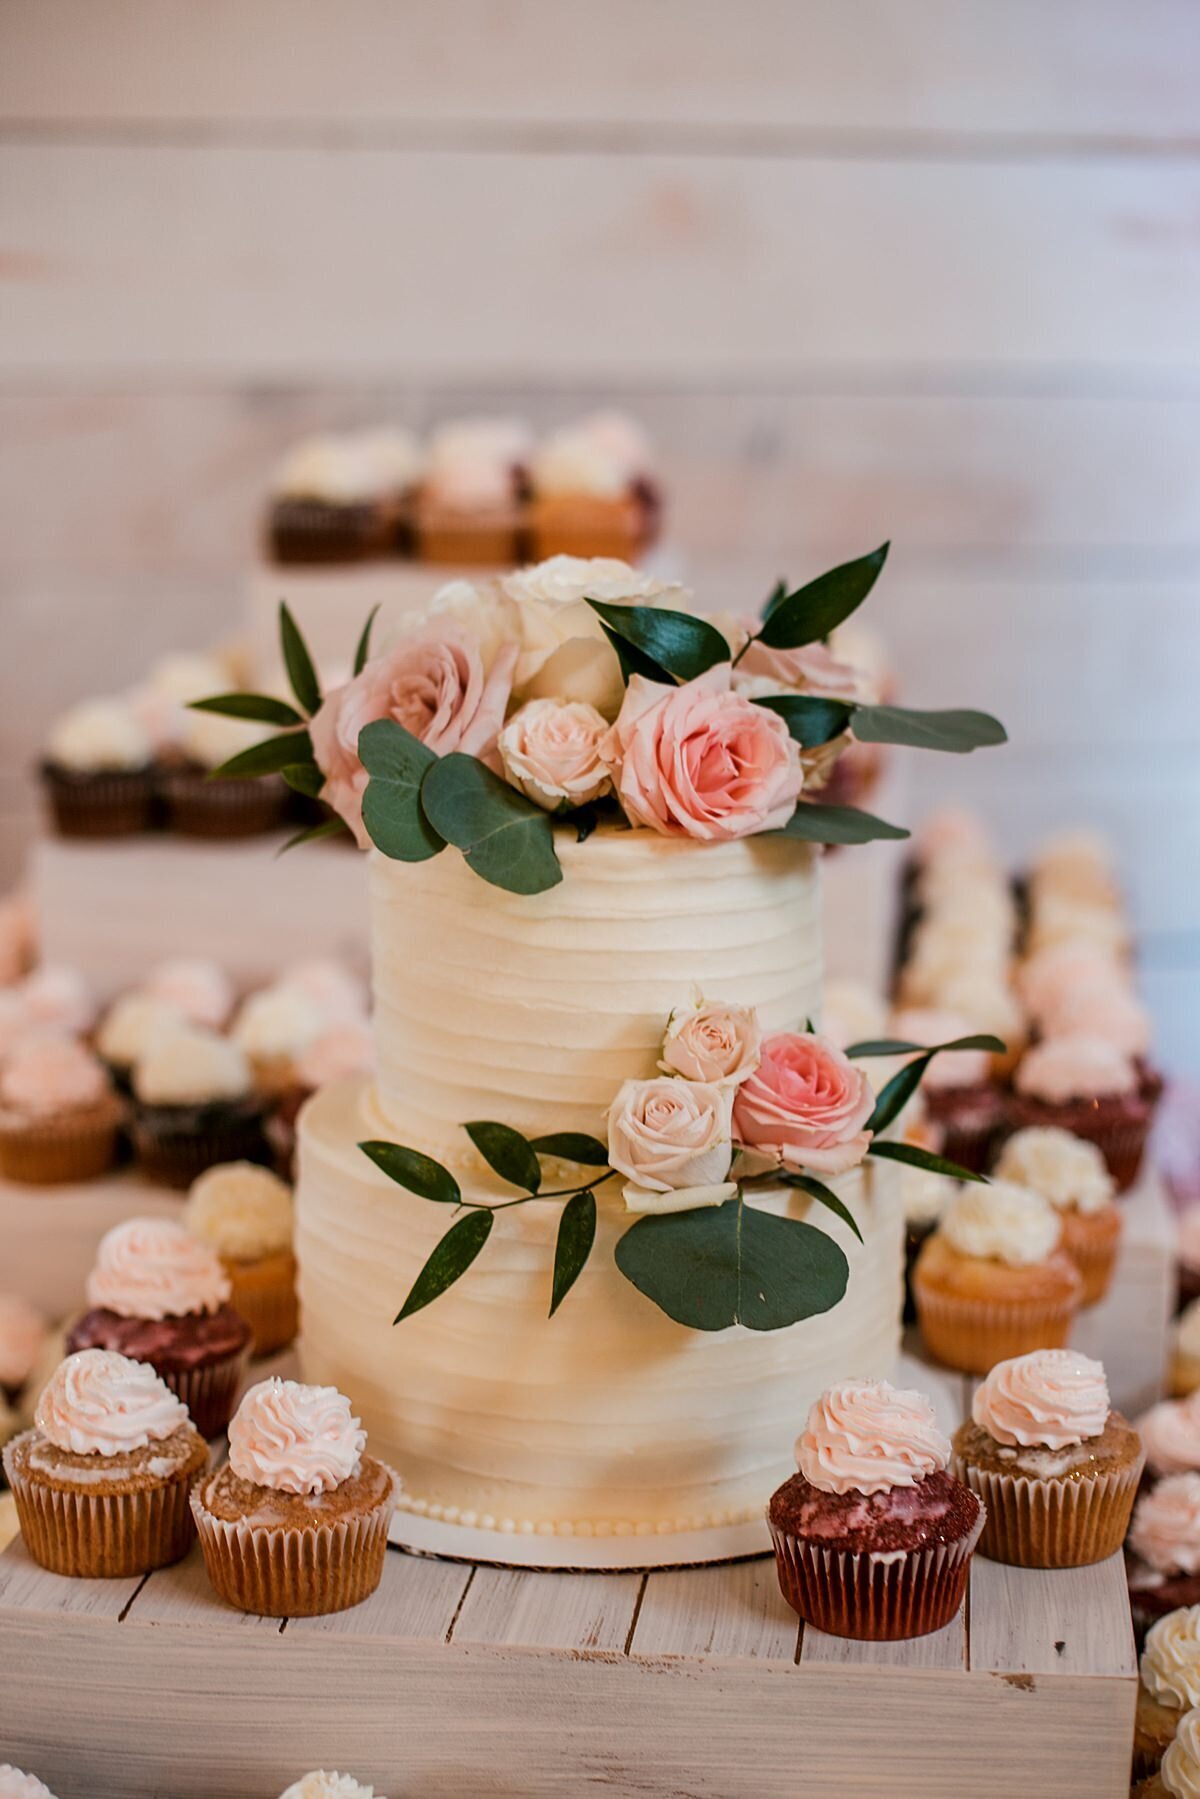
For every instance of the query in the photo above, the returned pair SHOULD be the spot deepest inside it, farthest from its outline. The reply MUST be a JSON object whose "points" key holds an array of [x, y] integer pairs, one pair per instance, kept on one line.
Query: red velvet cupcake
{"points": [[962, 1101], [873, 1537], [1163, 1551], [1091, 1089]]}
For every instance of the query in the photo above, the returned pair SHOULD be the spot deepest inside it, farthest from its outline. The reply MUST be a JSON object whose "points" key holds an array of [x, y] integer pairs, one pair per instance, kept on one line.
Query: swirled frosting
{"points": [[295, 1438], [47, 1074], [22, 1334], [1170, 1665], [1170, 1433], [15, 1785], [1166, 1525], [153, 1268], [868, 1436], [241, 1210], [1068, 1171], [278, 1021], [320, 1785], [101, 1403], [1180, 1769], [956, 1068], [191, 1068], [1002, 1223], [133, 1024], [198, 987], [1061, 1069], [1048, 1399]]}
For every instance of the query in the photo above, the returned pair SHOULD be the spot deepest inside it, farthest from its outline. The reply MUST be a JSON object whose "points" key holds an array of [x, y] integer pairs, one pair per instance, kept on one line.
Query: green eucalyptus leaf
{"points": [[393, 815], [263, 708], [363, 650], [634, 661], [573, 1146], [730, 1264], [507, 1153], [956, 731], [505, 838], [298, 662], [305, 778], [576, 1234], [810, 719], [915, 1157], [683, 645], [812, 822], [813, 611], [896, 1094], [329, 827], [900, 1046], [451, 1259], [419, 1173], [826, 1196], [270, 757]]}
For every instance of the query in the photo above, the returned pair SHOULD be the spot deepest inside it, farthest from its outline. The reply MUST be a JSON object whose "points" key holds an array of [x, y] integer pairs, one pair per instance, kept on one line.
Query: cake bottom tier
{"points": [[608, 1414]]}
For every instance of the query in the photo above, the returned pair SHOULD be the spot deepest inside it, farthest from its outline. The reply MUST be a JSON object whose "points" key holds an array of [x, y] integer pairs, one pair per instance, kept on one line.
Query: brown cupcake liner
{"points": [[174, 1146], [1034, 1523], [201, 805], [74, 1146], [103, 1536], [470, 544], [874, 1598], [1154, 1727], [109, 803], [1119, 1134], [211, 1393], [973, 1335], [294, 1573], [264, 1293]]}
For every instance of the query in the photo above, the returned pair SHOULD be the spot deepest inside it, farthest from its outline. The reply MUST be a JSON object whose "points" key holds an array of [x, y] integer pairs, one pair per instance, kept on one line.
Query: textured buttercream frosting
{"points": [[295, 1438], [153, 1268], [868, 1437], [1170, 1665], [1048, 1399], [322, 1785], [101, 1403], [1181, 1760]]}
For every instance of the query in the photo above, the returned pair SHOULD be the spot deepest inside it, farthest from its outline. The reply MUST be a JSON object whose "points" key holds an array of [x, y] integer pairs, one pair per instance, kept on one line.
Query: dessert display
{"points": [[1168, 1688], [159, 1295], [59, 1113], [1163, 1548], [244, 1213], [295, 1523], [873, 1536], [102, 1480], [194, 1105], [1071, 1173], [1056, 1468], [993, 1281]]}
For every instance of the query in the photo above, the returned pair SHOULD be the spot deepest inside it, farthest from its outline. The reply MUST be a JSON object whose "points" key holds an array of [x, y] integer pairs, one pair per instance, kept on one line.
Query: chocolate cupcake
{"points": [[59, 1115], [296, 1522], [244, 1213], [345, 498], [1163, 1549], [1085, 1086], [98, 772], [159, 1296], [962, 1101], [1055, 1466], [1168, 1688], [102, 1480], [195, 1106], [1072, 1175], [198, 802], [873, 1537], [1170, 1432]]}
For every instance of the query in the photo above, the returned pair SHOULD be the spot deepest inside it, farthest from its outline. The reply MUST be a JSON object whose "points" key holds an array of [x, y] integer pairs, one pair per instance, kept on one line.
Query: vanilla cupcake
{"points": [[1169, 1686], [1055, 1466], [244, 1213], [1179, 1775], [195, 1106], [320, 1785], [993, 1281], [1091, 1089], [592, 492], [59, 1115], [195, 986], [134, 1025], [273, 1029], [102, 1480], [23, 1334], [98, 771], [1071, 1173], [296, 1522], [1164, 1548]]}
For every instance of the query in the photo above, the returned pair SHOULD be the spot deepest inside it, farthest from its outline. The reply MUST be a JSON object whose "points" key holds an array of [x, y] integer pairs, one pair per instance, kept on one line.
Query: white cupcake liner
{"points": [[872, 1596], [1034, 1523]]}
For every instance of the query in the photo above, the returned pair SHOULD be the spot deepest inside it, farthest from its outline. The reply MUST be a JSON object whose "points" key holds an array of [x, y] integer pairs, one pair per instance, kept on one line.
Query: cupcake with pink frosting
{"points": [[23, 1335], [102, 1480], [59, 1114], [874, 1535], [1163, 1548], [1170, 1433], [159, 1295], [197, 987], [1090, 1087], [1055, 1465], [962, 1101], [295, 1524]]}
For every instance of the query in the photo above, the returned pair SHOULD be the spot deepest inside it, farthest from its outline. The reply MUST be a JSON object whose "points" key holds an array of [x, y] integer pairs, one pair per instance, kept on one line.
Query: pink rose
{"points": [[433, 685], [702, 761], [810, 669], [708, 1041], [804, 1106], [550, 750], [665, 1134]]}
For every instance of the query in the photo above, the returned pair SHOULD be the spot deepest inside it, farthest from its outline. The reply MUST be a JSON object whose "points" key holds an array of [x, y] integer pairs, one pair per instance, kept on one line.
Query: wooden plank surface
{"points": [[182, 1597], [27, 1588], [572, 1613], [418, 1598], [735, 1612], [944, 1649], [1051, 1621]]}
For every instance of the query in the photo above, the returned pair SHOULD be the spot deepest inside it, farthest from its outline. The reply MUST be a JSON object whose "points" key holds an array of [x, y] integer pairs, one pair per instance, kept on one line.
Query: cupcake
{"points": [[97, 772], [244, 1213], [59, 1115], [961, 1099], [15, 1785], [160, 1296], [993, 1282], [1071, 1173], [133, 1025], [1055, 1466], [1184, 1367], [320, 1785], [593, 494], [345, 498], [340, 1053], [195, 1105], [1179, 1775], [199, 803], [470, 507], [102, 1480], [1169, 1686], [1163, 1549], [196, 987], [296, 1522], [873, 1537], [985, 999], [273, 1029], [23, 1333], [57, 997], [1170, 1433], [1087, 1087], [18, 936]]}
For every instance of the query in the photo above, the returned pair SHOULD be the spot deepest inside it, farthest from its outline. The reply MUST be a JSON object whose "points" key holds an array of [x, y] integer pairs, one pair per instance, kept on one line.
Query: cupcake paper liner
{"points": [[265, 1294], [200, 806], [210, 1394], [294, 1573], [75, 1146], [1095, 1258], [175, 1151], [1119, 1133], [103, 1535], [1052, 1523], [104, 804], [871, 1597], [973, 1335]]}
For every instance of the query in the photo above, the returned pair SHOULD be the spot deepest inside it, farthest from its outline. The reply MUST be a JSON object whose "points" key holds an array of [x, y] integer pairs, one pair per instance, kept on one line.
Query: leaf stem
{"points": [[744, 648], [502, 1205]]}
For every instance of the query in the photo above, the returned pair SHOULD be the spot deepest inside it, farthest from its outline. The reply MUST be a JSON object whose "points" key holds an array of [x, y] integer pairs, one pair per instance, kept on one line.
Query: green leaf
{"points": [[364, 643], [507, 1152], [452, 1257], [813, 611], [916, 1157], [393, 815], [897, 1093], [685, 646], [812, 822], [298, 662], [505, 838], [634, 661], [270, 757], [576, 1234], [573, 1146], [585, 819], [329, 827], [730, 1264], [809, 719], [305, 778], [263, 708], [899, 1046], [827, 1197], [957, 731], [419, 1173]]}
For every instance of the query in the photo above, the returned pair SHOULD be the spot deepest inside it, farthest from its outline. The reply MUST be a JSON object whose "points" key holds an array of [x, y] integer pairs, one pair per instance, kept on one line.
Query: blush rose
{"points": [[805, 1106], [665, 1134], [709, 1041], [550, 750]]}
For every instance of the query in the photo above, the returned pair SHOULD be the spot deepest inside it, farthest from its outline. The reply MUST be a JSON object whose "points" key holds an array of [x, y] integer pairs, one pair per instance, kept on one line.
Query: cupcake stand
{"points": [[472, 1680]]}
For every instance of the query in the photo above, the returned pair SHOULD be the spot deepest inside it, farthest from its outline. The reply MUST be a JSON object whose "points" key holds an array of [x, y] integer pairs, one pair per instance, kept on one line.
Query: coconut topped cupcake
{"points": [[245, 1213], [320, 1785]]}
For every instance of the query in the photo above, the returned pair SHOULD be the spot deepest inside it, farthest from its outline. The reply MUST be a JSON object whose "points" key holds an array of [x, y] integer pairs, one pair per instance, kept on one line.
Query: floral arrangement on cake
{"points": [[575, 692]]}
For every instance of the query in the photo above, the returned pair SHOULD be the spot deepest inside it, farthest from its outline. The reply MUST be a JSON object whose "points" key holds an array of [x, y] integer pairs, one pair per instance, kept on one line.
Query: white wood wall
{"points": [[919, 268]]}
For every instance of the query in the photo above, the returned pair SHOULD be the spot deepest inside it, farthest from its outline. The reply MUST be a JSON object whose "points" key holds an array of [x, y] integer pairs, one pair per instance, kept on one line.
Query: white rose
{"points": [[550, 750], [480, 610], [708, 1041], [666, 1134]]}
